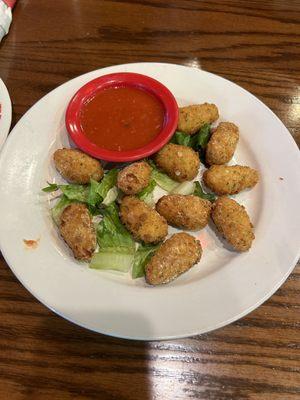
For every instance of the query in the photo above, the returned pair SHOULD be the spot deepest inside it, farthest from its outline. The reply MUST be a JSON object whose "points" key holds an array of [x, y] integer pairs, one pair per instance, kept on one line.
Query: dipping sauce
{"points": [[122, 118]]}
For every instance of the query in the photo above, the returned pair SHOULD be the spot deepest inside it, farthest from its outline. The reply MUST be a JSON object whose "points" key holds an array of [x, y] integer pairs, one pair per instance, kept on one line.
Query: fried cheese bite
{"points": [[223, 179], [222, 144], [181, 163], [134, 178], [192, 118], [174, 257], [233, 222], [186, 212], [76, 166], [77, 229], [142, 221]]}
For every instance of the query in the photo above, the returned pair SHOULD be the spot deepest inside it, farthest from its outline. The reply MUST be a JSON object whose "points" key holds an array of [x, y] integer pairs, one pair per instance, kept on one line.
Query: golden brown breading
{"points": [[142, 221], [181, 163], [223, 179], [191, 118], [187, 212], [77, 229], [222, 144], [134, 178], [175, 256], [76, 166], [233, 222]]}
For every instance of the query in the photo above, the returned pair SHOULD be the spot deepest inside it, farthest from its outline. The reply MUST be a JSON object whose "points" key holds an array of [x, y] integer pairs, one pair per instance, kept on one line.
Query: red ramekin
{"points": [[121, 79]]}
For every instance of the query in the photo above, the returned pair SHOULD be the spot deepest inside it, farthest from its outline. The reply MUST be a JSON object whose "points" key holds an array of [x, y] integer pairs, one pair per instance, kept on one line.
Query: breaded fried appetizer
{"points": [[233, 222], [134, 178], [76, 166], [181, 163], [175, 256], [192, 118], [222, 144], [186, 212], [142, 221], [77, 229], [223, 179]]}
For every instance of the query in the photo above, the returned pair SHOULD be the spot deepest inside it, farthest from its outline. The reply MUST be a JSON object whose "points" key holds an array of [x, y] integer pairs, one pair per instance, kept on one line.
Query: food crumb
{"points": [[280, 178], [31, 244]]}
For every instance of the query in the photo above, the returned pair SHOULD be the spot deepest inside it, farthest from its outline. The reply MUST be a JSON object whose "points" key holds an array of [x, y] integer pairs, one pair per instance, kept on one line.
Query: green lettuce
{"points": [[114, 258], [93, 194], [116, 244], [200, 192], [141, 259], [198, 141], [57, 210], [185, 188], [161, 178], [147, 194]]}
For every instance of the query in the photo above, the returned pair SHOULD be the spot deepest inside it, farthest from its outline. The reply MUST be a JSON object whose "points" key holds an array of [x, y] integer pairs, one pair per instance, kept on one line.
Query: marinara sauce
{"points": [[122, 118]]}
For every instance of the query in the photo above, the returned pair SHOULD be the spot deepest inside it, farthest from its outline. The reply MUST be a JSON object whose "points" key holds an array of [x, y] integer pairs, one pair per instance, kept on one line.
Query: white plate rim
{"points": [[6, 113]]}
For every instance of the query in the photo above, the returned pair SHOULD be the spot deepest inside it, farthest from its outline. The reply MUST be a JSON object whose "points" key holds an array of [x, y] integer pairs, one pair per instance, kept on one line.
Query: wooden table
{"points": [[256, 45]]}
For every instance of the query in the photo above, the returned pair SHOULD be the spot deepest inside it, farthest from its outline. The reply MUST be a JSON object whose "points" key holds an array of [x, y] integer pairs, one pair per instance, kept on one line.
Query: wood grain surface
{"points": [[253, 43]]}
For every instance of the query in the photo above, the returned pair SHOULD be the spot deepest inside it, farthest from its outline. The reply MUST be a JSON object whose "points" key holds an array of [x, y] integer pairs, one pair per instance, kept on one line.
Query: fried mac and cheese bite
{"points": [[186, 212], [76, 166], [192, 118], [222, 144], [142, 221], [77, 229], [174, 257], [181, 163], [223, 179], [134, 178], [233, 222]]}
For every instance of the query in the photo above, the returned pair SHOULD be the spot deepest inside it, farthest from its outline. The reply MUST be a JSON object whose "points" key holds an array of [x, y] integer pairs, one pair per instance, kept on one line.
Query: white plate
{"points": [[5, 113], [222, 288]]}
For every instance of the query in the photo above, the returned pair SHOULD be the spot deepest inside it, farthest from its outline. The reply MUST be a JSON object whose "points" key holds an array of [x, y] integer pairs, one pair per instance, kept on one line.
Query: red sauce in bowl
{"points": [[122, 118]]}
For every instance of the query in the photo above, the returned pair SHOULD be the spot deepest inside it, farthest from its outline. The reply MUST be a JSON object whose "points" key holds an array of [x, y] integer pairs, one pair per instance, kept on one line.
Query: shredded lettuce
{"points": [[114, 258], [185, 188], [52, 187], [117, 247], [161, 178], [203, 136], [108, 181], [75, 192], [71, 191], [57, 210], [147, 194], [200, 192], [198, 142], [182, 138], [99, 190], [93, 194], [141, 259], [111, 196], [111, 232]]}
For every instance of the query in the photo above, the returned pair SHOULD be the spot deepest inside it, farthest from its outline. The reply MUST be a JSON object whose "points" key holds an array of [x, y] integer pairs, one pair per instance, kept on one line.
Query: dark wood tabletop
{"points": [[256, 44]]}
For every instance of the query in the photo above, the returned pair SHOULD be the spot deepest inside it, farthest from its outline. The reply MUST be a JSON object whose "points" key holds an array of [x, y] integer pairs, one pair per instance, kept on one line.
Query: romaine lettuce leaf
{"points": [[185, 188], [200, 192], [141, 258], [161, 178], [57, 210], [112, 258], [197, 141], [147, 194], [116, 245]]}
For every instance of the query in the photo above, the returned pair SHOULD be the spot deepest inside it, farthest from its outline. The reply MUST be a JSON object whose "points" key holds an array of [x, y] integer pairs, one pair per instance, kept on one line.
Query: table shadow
{"points": [[88, 365]]}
